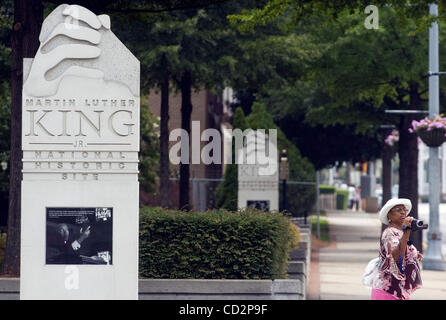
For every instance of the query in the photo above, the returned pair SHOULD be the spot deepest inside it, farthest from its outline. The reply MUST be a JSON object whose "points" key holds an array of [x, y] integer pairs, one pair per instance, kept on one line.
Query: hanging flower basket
{"points": [[432, 138], [431, 131], [392, 141]]}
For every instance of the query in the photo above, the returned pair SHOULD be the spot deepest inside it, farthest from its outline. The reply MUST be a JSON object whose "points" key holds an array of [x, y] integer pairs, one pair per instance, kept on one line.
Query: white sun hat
{"points": [[389, 205]]}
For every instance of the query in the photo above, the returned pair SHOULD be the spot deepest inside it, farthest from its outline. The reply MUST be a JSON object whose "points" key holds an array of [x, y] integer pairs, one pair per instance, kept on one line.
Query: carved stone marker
{"points": [[80, 140], [258, 181]]}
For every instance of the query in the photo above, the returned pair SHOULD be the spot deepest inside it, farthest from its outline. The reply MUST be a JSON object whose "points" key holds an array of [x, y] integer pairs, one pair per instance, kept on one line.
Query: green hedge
{"points": [[215, 244], [341, 199], [326, 189]]}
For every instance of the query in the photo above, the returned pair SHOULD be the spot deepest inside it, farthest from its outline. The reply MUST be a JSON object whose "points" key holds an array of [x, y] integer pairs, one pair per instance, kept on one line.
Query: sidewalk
{"points": [[339, 267]]}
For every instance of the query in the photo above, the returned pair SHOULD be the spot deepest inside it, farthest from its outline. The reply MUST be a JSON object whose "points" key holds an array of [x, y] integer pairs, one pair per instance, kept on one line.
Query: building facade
{"points": [[208, 113]]}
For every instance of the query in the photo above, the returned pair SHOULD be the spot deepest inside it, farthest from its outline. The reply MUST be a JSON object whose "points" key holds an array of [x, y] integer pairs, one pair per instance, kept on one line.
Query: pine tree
{"points": [[227, 190]]}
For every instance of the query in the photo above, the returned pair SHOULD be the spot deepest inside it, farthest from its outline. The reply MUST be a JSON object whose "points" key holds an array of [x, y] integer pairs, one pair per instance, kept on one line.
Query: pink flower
{"points": [[392, 138], [438, 122]]}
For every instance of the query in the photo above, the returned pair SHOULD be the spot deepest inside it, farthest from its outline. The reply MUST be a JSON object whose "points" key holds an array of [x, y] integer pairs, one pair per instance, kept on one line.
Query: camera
{"points": [[416, 225]]}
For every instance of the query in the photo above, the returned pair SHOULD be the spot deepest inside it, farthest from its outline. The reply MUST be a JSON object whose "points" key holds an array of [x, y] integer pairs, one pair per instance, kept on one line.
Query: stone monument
{"points": [[258, 173], [80, 140]]}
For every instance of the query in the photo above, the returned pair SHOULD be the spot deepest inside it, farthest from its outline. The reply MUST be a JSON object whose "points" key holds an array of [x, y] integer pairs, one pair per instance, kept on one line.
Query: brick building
{"points": [[208, 109]]}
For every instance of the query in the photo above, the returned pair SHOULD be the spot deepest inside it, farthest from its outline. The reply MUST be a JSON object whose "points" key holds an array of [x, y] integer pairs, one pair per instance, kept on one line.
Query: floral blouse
{"points": [[398, 282]]}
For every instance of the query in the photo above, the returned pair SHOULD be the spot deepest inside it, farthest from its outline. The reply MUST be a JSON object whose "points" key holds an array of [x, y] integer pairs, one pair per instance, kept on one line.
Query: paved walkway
{"points": [[337, 269]]}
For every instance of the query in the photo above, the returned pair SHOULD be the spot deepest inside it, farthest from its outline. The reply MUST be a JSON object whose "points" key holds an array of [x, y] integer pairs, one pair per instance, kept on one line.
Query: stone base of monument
{"points": [[300, 258], [371, 205], [90, 277], [197, 289]]}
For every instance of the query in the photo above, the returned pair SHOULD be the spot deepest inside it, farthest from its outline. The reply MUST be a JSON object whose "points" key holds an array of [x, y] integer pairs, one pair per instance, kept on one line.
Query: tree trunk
{"points": [[164, 142], [186, 112], [28, 17], [348, 173], [408, 152], [387, 155]]}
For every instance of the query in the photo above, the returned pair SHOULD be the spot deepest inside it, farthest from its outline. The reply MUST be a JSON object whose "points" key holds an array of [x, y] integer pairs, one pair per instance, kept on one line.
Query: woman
{"points": [[357, 198], [399, 272]]}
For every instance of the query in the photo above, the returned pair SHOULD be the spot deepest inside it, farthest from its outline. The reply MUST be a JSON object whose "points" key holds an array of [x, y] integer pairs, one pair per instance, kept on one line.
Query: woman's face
{"points": [[397, 214]]}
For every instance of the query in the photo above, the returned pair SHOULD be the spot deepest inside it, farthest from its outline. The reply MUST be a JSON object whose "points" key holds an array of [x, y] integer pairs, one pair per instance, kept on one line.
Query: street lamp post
{"points": [[318, 204], [433, 259], [284, 177]]}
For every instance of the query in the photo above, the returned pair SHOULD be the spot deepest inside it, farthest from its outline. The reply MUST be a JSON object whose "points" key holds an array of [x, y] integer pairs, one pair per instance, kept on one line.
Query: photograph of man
{"points": [[64, 242], [79, 236]]}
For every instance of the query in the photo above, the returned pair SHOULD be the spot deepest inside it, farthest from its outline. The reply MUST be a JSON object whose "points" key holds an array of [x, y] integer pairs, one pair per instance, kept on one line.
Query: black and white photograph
{"points": [[79, 236], [259, 204]]}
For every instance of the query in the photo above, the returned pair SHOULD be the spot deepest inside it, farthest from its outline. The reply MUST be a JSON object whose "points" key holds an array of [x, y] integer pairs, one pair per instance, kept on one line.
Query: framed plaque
{"points": [[258, 204], [79, 236]]}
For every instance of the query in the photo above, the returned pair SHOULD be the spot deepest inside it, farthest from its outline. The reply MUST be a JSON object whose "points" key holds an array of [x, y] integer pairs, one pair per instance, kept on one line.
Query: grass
{"points": [[325, 231], [322, 214]]}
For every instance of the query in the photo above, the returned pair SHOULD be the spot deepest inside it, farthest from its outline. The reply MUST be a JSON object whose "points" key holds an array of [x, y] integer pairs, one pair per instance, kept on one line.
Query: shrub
{"points": [[227, 190], [217, 244], [326, 189]]}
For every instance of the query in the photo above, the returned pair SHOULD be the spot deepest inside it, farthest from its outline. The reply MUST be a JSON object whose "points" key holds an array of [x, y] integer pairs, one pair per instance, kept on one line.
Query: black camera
{"points": [[416, 225]]}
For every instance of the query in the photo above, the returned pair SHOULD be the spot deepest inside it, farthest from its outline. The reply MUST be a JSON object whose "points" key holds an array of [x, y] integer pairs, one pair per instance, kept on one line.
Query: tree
{"points": [[28, 18], [153, 38], [148, 155], [275, 69], [196, 49], [393, 77], [164, 140], [6, 19], [227, 190], [295, 10], [358, 73]]}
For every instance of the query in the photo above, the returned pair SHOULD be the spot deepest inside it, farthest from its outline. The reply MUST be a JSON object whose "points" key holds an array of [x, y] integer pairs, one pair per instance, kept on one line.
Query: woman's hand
{"points": [[420, 256], [407, 221]]}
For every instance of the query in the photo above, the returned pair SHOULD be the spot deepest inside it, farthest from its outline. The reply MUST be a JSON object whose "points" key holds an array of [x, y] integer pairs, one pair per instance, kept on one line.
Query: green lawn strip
{"points": [[322, 214], [325, 231]]}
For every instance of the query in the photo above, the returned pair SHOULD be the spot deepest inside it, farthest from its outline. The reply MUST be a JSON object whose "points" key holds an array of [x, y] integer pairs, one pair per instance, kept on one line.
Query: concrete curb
{"points": [[197, 289]]}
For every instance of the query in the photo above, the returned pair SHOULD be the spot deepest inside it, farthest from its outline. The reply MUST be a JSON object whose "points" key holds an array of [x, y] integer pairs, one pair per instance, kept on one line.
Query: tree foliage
{"points": [[149, 154], [289, 12], [227, 190], [6, 17]]}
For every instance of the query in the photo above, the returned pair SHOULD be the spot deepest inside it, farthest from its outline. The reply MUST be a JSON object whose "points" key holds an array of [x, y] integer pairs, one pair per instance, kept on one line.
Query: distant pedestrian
{"points": [[351, 196], [357, 199], [398, 272]]}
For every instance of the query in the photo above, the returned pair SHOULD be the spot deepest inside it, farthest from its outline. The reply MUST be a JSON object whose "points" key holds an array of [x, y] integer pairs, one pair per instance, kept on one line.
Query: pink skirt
{"points": [[378, 294]]}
